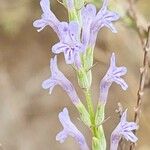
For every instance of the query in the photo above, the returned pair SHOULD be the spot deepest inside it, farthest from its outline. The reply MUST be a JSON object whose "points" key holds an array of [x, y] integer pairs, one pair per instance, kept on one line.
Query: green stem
{"points": [[91, 111]]}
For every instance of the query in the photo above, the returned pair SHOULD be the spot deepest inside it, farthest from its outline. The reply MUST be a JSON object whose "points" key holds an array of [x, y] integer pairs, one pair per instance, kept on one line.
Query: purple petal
{"points": [[61, 136], [48, 84], [124, 117], [64, 116], [77, 60], [63, 29], [131, 126], [121, 82], [88, 13], [111, 27], [45, 5], [120, 71], [59, 47], [69, 56], [70, 129], [105, 4], [74, 30], [109, 16], [54, 69], [39, 24], [129, 136]]}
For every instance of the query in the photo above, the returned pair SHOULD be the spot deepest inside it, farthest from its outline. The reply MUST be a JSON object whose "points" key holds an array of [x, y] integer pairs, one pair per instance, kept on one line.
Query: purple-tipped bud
{"points": [[123, 130], [69, 129]]}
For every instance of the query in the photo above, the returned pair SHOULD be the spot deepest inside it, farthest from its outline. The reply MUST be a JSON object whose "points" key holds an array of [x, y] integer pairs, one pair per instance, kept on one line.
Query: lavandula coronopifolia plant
{"points": [[77, 39]]}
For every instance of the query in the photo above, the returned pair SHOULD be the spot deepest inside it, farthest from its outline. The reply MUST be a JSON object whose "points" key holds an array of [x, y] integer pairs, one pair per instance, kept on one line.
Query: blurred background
{"points": [[28, 114]]}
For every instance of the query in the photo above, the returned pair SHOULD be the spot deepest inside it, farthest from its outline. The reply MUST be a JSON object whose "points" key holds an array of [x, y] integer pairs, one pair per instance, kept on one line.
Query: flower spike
{"points": [[124, 129], [69, 129], [113, 75]]}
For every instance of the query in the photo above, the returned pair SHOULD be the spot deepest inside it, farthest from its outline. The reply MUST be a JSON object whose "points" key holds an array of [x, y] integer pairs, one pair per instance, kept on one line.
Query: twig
{"points": [[143, 70], [142, 83]]}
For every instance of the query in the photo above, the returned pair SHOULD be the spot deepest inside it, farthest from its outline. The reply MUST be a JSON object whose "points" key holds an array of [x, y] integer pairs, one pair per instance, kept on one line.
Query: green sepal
{"points": [[87, 58], [87, 61], [95, 144], [73, 16], [102, 138], [84, 115], [99, 143], [82, 79], [100, 114]]}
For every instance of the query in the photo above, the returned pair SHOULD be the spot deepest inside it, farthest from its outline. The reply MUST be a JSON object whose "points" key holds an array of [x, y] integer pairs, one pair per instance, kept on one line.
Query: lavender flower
{"points": [[47, 18], [94, 22], [124, 129], [57, 77], [113, 75], [69, 44], [70, 129]]}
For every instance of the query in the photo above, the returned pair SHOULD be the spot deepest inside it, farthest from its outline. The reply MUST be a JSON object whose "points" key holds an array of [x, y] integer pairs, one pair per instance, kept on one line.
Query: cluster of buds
{"points": [[77, 39]]}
